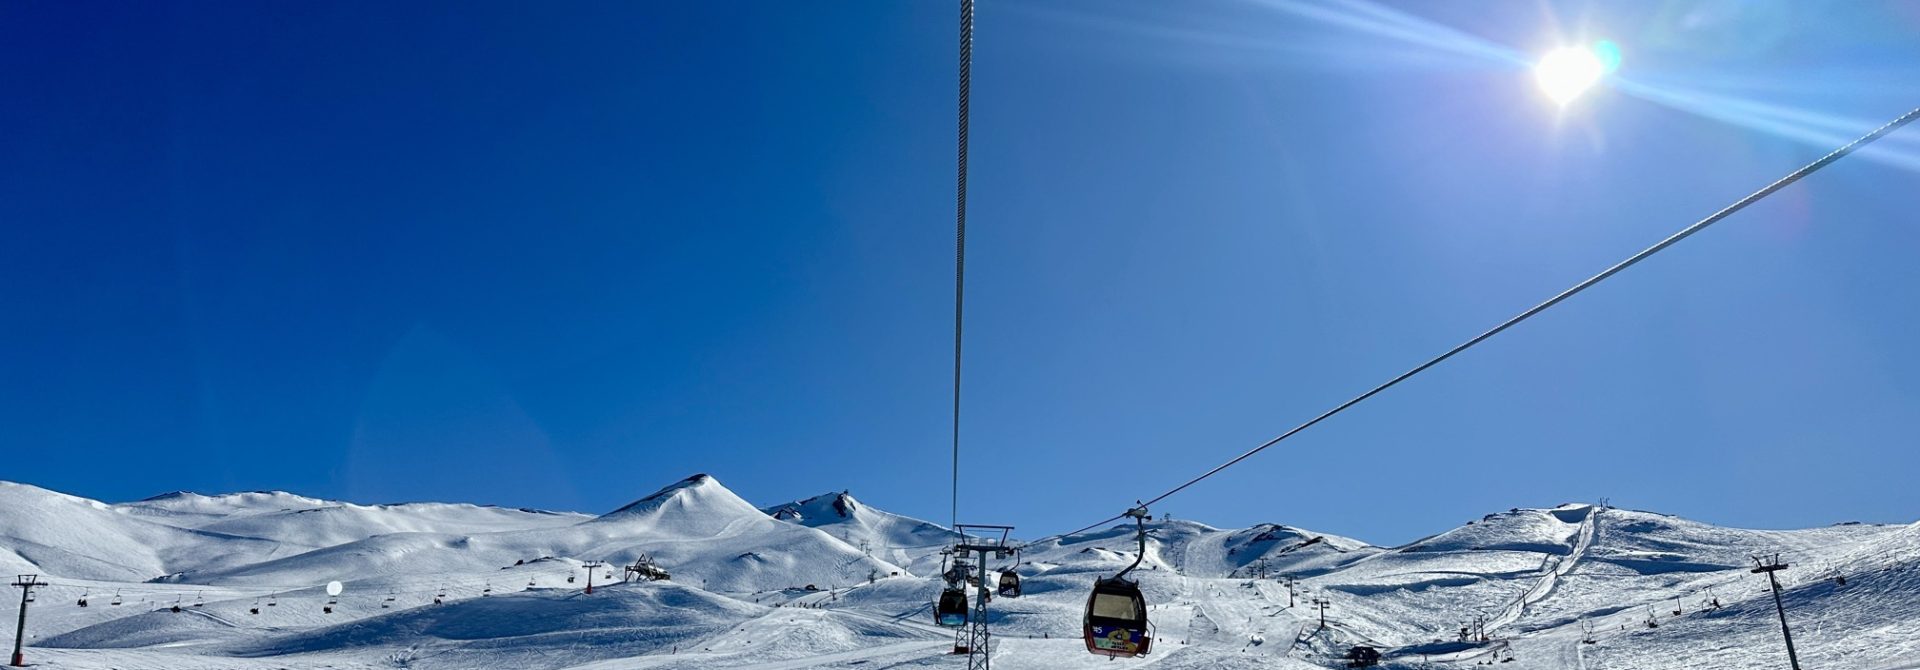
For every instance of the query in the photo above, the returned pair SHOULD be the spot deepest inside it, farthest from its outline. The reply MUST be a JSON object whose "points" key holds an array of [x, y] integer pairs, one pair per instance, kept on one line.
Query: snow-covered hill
{"points": [[831, 582], [897, 539]]}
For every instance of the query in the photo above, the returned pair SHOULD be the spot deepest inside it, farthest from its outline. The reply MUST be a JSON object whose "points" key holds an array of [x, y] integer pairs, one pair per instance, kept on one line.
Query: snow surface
{"points": [[831, 582]]}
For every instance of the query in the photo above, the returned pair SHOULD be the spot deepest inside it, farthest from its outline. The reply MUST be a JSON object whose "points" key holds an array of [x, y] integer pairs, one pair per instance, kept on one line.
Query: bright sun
{"points": [[1567, 72]]}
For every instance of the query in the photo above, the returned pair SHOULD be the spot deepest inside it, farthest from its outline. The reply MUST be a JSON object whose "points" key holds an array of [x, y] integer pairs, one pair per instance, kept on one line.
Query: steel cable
{"points": [[1684, 233], [960, 240]]}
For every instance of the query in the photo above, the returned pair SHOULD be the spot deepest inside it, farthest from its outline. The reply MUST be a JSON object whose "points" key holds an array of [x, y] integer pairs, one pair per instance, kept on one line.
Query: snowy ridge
{"points": [[899, 539], [246, 571]]}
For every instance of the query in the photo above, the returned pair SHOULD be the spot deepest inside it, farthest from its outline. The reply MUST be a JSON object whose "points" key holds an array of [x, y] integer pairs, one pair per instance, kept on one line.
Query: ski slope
{"points": [[832, 582]]}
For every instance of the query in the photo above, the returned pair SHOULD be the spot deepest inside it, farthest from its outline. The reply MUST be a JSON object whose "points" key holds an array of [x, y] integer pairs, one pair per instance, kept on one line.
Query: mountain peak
{"points": [[171, 495], [823, 508], [699, 500]]}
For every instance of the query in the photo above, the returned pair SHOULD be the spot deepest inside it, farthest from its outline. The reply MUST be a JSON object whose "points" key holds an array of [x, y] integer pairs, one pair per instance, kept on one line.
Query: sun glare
{"points": [[1567, 72]]}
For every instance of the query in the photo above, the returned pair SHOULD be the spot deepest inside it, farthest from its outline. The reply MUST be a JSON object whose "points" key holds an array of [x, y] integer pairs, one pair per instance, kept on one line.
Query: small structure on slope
{"points": [[644, 569]]}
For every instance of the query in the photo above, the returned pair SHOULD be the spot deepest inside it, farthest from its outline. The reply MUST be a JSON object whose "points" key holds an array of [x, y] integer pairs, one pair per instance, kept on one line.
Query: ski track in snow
{"points": [[1551, 572]]}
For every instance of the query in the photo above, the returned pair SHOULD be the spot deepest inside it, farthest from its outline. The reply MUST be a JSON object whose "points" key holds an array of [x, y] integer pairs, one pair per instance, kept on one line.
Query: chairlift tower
{"points": [[591, 566], [1768, 566], [984, 542], [1322, 604], [26, 583]]}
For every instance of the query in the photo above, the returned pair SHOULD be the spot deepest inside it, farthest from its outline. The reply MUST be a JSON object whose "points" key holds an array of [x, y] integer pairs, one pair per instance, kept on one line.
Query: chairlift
{"points": [[83, 600], [569, 579], [951, 611], [256, 607], [116, 599], [487, 592], [199, 599], [1010, 584], [1116, 619]]}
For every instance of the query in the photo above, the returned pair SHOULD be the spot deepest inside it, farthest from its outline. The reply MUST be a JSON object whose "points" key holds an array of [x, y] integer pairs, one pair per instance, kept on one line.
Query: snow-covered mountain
{"points": [[897, 539], [300, 521], [1565, 588], [696, 528]]}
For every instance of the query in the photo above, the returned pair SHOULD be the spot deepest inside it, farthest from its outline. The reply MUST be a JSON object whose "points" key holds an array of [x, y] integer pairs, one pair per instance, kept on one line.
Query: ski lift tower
{"points": [[985, 541]]}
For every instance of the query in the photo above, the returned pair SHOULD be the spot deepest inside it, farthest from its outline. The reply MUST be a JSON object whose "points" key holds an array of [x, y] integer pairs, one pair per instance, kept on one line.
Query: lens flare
{"points": [[1609, 55], [1565, 73]]}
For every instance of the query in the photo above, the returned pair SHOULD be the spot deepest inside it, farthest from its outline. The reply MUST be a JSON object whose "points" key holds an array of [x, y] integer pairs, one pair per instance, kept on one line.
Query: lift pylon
{"points": [[983, 542]]}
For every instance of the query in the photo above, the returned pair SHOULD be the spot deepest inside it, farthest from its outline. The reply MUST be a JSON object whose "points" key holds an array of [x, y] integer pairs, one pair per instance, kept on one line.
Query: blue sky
{"points": [[559, 256]]}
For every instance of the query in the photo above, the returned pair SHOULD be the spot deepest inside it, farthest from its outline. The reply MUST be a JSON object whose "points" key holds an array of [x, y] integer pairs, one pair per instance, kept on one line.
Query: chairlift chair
{"points": [[1116, 619], [83, 600], [951, 611], [116, 599]]}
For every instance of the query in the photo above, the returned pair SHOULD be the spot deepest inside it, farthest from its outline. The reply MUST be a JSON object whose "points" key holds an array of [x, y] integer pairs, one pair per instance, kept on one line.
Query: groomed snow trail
{"points": [[1554, 568]]}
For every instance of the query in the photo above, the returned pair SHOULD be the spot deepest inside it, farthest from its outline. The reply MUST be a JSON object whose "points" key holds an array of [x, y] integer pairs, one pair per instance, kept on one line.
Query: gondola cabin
{"points": [[1116, 621], [1010, 584], [951, 611]]}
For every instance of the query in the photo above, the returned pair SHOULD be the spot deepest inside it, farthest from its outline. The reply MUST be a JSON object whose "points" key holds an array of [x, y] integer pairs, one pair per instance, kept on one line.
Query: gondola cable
{"points": [[1684, 233], [960, 239]]}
